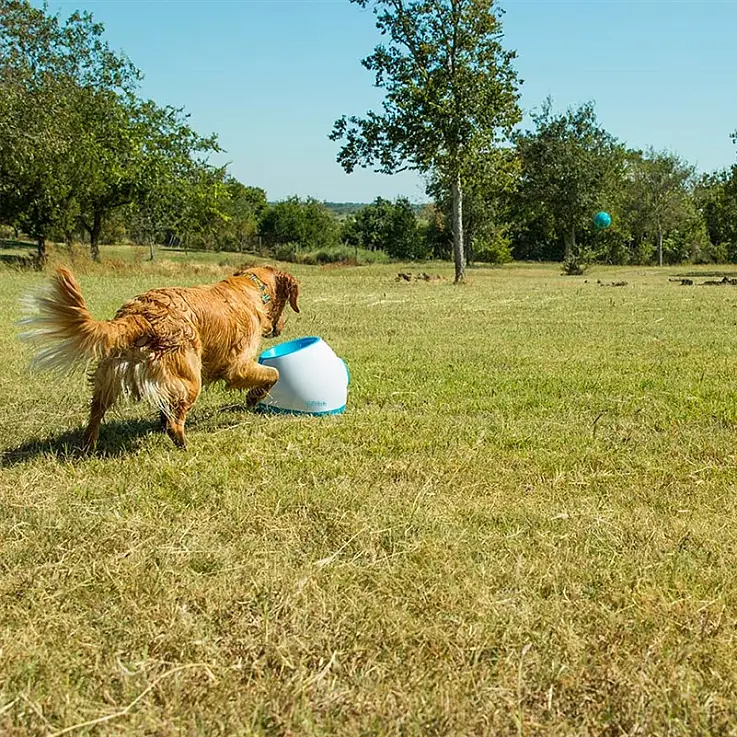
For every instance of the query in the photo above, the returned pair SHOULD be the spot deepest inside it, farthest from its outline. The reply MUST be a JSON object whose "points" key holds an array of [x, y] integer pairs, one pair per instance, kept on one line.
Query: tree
{"points": [[661, 189], [244, 209], [450, 95], [403, 239], [435, 232], [715, 196], [568, 164], [369, 227], [485, 201], [45, 66], [308, 223], [186, 208], [135, 151], [76, 142], [391, 227], [35, 195], [716, 199]]}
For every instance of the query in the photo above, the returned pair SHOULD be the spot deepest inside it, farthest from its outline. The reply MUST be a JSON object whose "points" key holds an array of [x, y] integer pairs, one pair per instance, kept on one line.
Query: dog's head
{"points": [[281, 288]]}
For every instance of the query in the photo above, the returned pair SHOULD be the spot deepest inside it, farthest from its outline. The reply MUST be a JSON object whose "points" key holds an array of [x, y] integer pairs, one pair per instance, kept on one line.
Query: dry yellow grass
{"points": [[522, 525]]}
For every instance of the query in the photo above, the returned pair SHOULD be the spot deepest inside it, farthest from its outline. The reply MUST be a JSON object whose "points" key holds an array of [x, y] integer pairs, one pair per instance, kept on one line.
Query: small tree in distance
{"points": [[306, 223], [451, 95], [662, 186], [716, 198], [391, 227]]}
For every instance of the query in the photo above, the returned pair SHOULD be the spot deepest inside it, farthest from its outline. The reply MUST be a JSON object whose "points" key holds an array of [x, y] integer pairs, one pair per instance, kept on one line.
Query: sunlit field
{"points": [[523, 523]]}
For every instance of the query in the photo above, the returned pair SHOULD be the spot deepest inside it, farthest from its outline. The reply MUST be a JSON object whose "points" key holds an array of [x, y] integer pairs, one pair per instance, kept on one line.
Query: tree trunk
{"points": [[95, 231], [569, 240], [41, 253], [151, 249], [458, 255], [468, 251], [660, 247]]}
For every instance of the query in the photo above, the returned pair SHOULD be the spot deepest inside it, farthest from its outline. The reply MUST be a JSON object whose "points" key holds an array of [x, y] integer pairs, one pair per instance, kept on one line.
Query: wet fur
{"points": [[163, 345]]}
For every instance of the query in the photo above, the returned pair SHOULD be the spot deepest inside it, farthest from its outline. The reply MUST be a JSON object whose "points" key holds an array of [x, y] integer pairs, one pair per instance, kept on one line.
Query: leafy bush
{"points": [[493, 248], [714, 254], [337, 254], [388, 226], [307, 258], [286, 252], [491, 255]]}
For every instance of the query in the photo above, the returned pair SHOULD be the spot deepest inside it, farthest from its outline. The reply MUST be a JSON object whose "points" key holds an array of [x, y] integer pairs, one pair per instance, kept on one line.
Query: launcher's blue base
{"points": [[271, 410]]}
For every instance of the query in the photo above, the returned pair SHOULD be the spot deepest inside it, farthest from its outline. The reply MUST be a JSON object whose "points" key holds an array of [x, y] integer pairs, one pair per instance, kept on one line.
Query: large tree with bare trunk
{"points": [[450, 95]]}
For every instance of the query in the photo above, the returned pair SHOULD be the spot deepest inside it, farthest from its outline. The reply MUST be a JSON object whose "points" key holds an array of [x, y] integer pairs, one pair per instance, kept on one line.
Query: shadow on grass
{"points": [[19, 262], [706, 274], [27, 259], [17, 244], [117, 438]]}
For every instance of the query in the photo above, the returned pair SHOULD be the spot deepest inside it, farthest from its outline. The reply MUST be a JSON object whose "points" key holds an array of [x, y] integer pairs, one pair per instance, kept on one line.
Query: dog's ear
{"points": [[243, 269], [293, 292]]}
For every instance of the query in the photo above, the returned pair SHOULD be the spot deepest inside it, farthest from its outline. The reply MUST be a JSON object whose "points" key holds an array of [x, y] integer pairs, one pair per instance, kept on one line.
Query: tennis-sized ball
{"points": [[602, 220]]}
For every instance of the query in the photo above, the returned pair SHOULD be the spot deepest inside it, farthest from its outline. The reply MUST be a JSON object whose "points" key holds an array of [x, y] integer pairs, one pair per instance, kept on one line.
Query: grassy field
{"points": [[523, 524]]}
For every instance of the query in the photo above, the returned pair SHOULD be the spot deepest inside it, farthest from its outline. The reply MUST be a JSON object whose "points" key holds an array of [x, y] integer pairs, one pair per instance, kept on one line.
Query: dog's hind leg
{"points": [[187, 370], [104, 395], [176, 419]]}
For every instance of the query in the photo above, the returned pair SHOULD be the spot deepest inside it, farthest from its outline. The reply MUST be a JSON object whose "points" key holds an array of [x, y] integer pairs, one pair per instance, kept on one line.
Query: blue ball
{"points": [[602, 220]]}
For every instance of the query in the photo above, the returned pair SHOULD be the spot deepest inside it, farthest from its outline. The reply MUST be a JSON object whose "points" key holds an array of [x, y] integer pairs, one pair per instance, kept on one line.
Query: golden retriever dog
{"points": [[162, 345]]}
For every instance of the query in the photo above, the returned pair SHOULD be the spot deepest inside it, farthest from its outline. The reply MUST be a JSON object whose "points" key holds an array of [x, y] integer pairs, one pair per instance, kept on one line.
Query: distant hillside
{"points": [[343, 209]]}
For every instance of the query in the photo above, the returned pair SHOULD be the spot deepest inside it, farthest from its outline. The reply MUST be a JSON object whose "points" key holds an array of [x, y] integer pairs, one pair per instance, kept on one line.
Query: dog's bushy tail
{"points": [[60, 323]]}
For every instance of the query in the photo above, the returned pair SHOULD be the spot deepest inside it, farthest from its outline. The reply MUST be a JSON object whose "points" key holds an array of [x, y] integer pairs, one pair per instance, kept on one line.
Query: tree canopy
{"points": [[77, 141], [84, 156], [304, 222], [568, 165], [660, 192]]}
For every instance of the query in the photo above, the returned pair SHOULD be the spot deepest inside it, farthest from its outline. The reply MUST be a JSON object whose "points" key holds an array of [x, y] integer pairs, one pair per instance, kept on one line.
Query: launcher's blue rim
{"points": [[270, 409], [347, 372], [291, 346]]}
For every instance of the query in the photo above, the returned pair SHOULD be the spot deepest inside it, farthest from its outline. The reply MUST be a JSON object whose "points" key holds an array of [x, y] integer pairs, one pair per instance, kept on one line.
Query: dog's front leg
{"points": [[254, 378]]}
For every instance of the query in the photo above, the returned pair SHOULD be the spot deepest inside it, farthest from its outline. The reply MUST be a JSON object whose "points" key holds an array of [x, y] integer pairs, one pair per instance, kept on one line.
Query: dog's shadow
{"points": [[117, 437]]}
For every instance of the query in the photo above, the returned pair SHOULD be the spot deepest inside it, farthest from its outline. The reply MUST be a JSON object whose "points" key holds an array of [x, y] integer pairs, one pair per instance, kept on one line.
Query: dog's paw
{"points": [[254, 396]]}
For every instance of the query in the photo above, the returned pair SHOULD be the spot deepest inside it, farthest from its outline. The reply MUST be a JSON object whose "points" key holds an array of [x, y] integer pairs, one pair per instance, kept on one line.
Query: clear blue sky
{"points": [[271, 76]]}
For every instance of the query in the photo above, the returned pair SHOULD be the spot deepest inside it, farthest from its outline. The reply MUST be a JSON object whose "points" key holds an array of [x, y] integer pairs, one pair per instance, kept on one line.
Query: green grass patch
{"points": [[521, 525]]}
